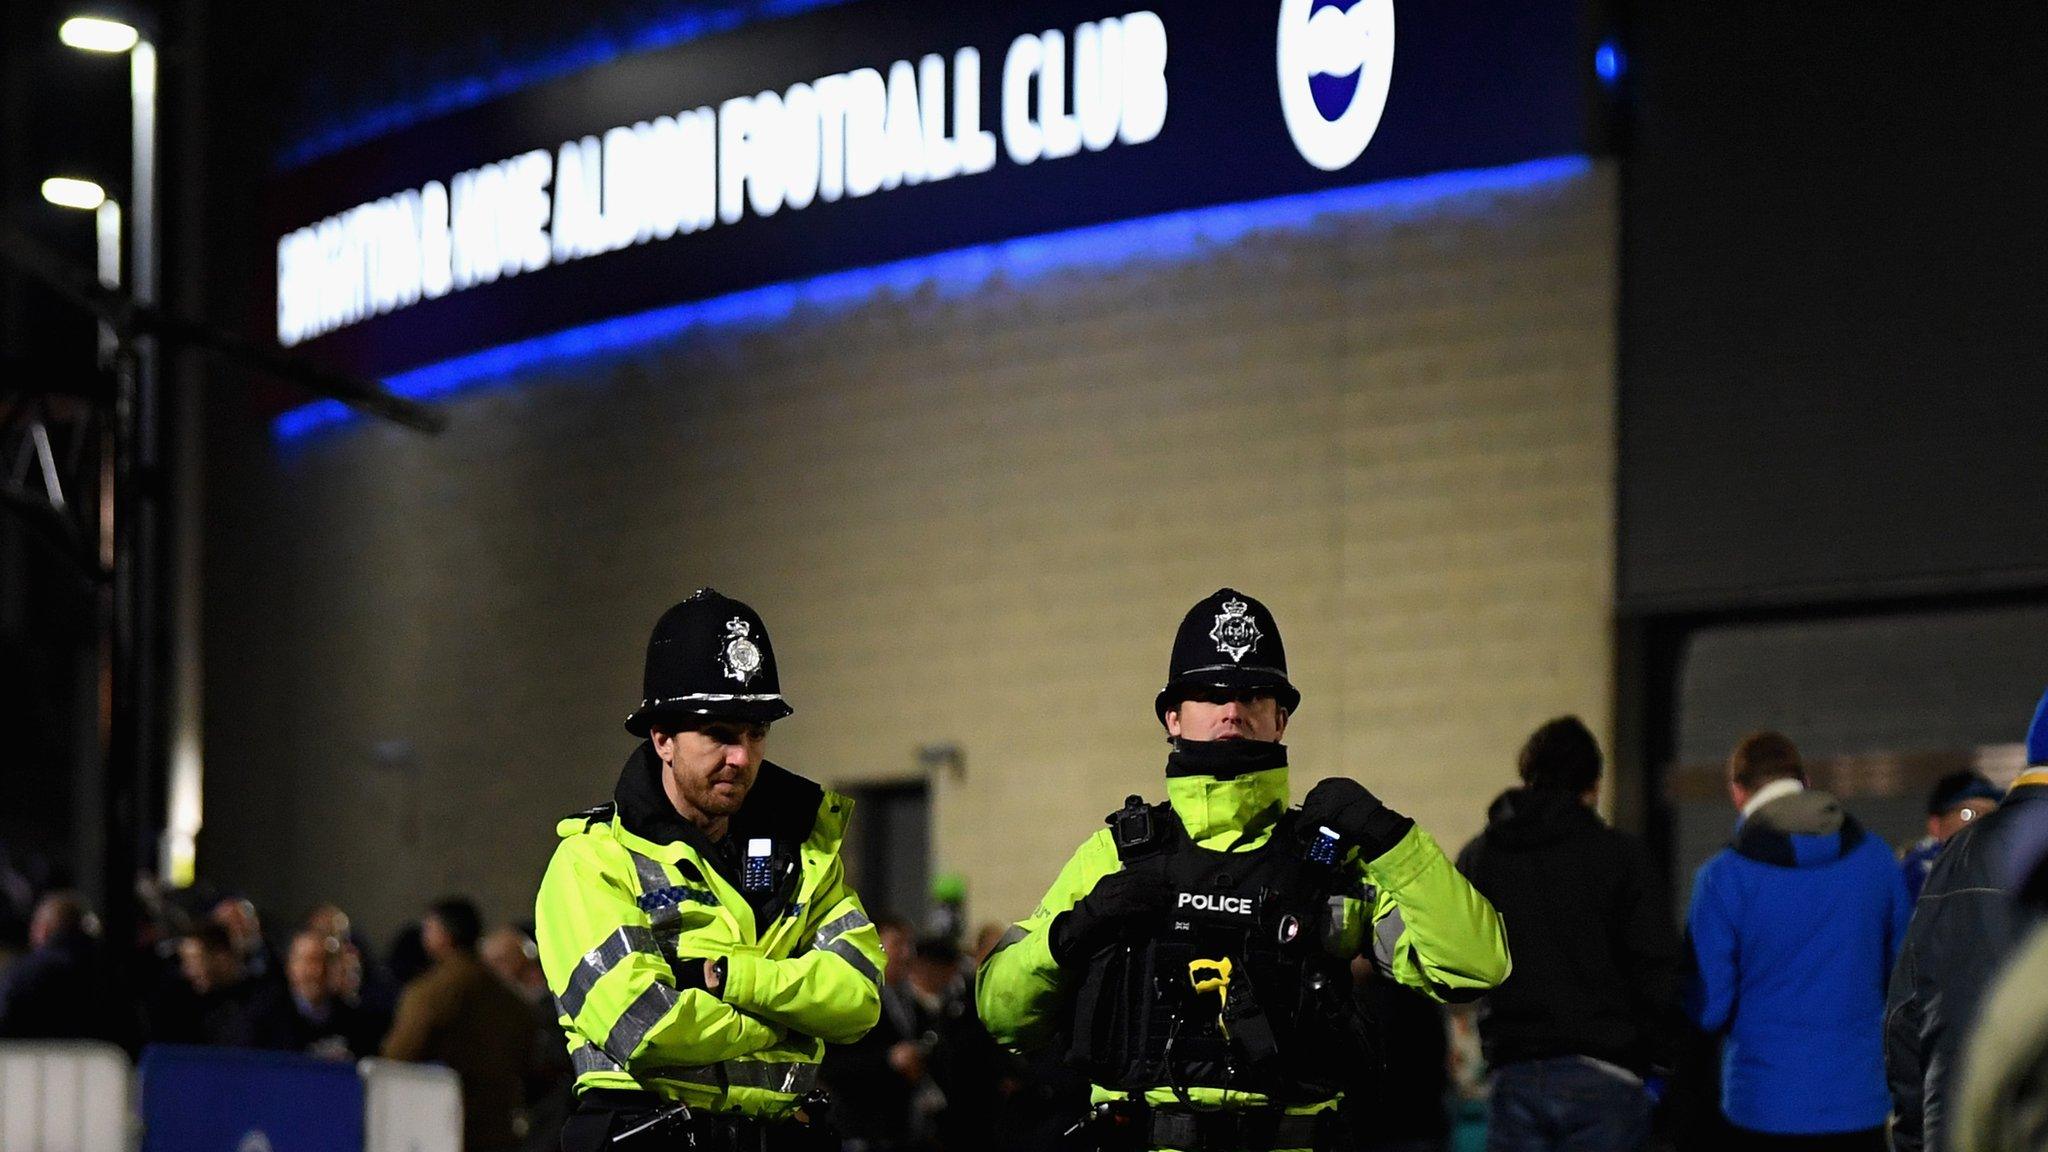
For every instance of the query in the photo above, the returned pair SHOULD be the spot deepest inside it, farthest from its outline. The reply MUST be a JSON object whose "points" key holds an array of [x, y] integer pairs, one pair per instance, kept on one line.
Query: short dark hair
{"points": [[458, 914], [1562, 755], [1762, 757], [64, 910], [211, 936]]}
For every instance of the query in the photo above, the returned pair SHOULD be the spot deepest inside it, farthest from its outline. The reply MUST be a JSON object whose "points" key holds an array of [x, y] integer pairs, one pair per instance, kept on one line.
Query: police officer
{"points": [[1194, 956], [698, 932]]}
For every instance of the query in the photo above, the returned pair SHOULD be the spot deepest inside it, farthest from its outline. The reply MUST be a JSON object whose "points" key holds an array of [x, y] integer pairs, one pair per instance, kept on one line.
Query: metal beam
{"points": [[130, 319]]}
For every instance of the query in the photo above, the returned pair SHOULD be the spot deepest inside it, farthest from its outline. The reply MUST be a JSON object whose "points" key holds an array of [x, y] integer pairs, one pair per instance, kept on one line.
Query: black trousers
{"points": [[1867, 1140], [611, 1121]]}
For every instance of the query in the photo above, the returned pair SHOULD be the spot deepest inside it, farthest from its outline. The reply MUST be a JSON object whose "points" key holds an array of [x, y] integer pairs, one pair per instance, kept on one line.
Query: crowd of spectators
{"points": [[206, 972], [1825, 995], [926, 1079]]}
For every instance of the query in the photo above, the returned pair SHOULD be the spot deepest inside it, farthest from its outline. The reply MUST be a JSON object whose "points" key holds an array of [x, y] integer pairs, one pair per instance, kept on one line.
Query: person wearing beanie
{"points": [[1793, 926], [1955, 800], [1965, 925], [1593, 1003], [1194, 956], [698, 932]]}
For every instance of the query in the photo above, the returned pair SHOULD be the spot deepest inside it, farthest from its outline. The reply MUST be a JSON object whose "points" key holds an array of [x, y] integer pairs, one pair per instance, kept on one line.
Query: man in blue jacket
{"points": [[1794, 927]]}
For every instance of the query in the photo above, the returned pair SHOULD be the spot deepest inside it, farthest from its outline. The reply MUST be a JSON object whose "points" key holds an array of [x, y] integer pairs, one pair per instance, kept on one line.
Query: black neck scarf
{"points": [[1224, 759]]}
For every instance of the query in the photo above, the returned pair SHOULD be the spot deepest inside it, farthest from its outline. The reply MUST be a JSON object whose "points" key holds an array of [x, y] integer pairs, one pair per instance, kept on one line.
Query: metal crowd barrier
{"points": [[410, 1107], [65, 1096]]}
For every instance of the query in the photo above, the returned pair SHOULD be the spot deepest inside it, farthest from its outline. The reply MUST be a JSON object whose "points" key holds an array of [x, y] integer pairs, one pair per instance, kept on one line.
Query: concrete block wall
{"points": [[972, 519]]}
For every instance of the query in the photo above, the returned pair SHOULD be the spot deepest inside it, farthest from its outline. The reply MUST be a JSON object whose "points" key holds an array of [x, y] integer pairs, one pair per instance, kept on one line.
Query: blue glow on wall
{"points": [[1166, 238], [591, 50]]}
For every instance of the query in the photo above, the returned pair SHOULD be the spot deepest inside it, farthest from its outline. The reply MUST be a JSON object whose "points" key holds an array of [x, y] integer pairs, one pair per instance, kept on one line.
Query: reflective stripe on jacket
{"points": [[617, 910], [1431, 930]]}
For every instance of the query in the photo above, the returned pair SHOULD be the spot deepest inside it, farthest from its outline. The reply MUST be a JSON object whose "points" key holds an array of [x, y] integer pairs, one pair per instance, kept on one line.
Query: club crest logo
{"points": [[1235, 633], [1336, 64], [741, 657]]}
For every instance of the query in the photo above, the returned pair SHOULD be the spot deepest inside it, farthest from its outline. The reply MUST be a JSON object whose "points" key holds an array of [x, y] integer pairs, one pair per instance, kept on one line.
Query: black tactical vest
{"points": [[1246, 985]]}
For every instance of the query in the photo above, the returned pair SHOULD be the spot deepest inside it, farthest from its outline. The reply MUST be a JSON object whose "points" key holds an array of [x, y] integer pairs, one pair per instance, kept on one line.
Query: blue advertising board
{"points": [[230, 1100]]}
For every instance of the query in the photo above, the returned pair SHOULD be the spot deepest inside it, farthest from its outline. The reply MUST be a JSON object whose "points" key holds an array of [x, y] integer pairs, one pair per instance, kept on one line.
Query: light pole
{"points": [[87, 196], [132, 804], [107, 792], [100, 34]]}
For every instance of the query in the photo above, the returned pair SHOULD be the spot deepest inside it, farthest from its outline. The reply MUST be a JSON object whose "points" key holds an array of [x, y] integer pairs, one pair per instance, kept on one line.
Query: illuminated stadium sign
{"points": [[850, 134], [870, 132]]}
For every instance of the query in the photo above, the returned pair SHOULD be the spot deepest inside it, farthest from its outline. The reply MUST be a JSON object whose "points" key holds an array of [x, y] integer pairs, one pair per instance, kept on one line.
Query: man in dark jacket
{"points": [[1964, 927], [223, 1005], [926, 1076], [59, 991], [1593, 998], [1793, 926], [1955, 800], [325, 1024]]}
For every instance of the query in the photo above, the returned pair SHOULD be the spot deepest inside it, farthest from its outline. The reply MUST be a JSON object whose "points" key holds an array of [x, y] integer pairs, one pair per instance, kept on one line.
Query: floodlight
{"points": [[96, 34], [69, 192]]}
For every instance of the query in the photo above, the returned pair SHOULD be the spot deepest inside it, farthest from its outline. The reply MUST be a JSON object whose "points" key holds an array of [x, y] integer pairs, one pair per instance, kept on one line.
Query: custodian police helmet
{"points": [[1228, 640], [709, 656]]}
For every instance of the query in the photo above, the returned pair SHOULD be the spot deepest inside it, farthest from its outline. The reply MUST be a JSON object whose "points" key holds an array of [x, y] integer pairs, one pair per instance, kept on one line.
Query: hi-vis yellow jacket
{"points": [[627, 902], [1430, 929]]}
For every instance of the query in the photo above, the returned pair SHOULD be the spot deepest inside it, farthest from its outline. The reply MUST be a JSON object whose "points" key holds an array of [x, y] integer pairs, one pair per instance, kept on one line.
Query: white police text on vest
{"points": [[1203, 902]]}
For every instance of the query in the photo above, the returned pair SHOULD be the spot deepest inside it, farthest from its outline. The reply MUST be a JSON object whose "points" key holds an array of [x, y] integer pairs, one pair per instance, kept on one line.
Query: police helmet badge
{"points": [[741, 657], [1236, 632]]}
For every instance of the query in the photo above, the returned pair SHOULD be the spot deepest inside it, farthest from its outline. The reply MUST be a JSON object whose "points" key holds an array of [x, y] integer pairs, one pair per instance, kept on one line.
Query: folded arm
{"points": [[831, 991], [612, 983]]}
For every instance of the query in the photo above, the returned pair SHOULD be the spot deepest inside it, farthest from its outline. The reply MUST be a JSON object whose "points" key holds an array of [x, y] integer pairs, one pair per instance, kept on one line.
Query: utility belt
{"points": [[614, 1120], [1131, 1125]]}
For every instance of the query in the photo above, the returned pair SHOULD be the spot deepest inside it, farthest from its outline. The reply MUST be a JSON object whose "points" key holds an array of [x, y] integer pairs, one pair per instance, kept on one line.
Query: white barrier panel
{"points": [[65, 1096], [409, 1107]]}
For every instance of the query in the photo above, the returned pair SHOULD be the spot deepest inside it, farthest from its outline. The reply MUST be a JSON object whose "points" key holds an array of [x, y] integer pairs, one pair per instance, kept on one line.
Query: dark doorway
{"points": [[889, 848]]}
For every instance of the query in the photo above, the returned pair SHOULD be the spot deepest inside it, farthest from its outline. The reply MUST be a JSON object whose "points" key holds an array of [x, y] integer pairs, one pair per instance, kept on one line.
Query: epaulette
{"points": [[601, 814]]}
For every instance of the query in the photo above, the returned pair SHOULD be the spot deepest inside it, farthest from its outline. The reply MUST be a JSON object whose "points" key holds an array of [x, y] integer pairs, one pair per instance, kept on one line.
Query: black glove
{"points": [[1125, 901], [689, 973], [1346, 808]]}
